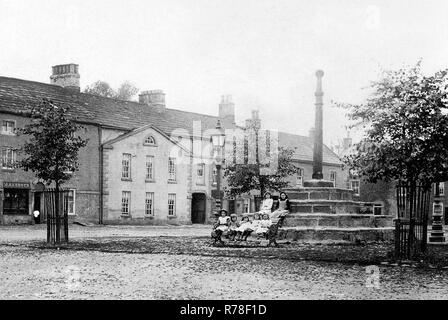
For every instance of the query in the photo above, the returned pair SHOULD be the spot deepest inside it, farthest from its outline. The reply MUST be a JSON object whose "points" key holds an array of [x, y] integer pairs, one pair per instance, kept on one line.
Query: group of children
{"points": [[261, 222]]}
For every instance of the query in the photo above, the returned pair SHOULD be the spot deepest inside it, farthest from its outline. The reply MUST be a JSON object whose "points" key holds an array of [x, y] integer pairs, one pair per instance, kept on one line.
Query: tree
{"points": [[243, 178], [126, 91], [52, 150], [100, 88], [405, 126]]}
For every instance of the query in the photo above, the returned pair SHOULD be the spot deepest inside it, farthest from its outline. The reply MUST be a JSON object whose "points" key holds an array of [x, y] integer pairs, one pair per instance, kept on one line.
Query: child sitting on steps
{"points": [[264, 225], [233, 226], [244, 226]]}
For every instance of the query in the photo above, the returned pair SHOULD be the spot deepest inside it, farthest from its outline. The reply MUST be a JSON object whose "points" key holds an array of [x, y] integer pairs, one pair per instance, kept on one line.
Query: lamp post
{"points": [[218, 140]]}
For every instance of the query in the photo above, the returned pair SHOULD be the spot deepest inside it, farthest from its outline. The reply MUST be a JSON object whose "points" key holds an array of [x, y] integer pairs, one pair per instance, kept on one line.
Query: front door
{"points": [[198, 208]]}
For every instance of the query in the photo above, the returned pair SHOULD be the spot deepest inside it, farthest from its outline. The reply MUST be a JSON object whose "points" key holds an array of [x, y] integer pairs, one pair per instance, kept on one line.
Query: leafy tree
{"points": [[52, 150], [126, 91], [405, 126], [243, 178], [100, 88]]}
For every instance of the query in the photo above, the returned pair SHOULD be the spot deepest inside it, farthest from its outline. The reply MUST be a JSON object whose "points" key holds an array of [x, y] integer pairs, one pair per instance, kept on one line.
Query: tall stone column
{"points": [[318, 138], [318, 177]]}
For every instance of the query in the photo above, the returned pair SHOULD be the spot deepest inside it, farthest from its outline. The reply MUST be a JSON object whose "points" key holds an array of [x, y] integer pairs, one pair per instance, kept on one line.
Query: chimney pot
{"points": [[154, 99], [227, 109], [66, 76]]}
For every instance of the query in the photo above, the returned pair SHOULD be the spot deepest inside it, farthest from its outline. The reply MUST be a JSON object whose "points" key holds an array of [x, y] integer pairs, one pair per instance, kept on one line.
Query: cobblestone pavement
{"points": [[50, 274], [167, 262], [38, 232]]}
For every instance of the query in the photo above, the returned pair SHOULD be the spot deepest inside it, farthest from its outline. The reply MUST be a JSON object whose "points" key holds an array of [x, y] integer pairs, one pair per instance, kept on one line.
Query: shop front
{"points": [[16, 201]]}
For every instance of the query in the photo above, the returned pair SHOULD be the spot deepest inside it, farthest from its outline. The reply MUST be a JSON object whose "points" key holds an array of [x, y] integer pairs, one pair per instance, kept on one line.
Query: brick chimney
{"points": [[66, 75], [254, 122], [227, 109], [153, 98]]}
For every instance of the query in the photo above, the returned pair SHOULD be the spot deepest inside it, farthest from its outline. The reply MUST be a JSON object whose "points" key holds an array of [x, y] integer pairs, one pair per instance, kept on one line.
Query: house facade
{"points": [[144, 163], [383, 194]]}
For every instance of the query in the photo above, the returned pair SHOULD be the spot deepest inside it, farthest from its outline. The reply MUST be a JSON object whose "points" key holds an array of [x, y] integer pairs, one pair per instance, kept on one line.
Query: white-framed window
{"points": [[149, 141], [150, 168], [126, 166], [70, 199], [149, 203], [377, 209], [333, 177], [8, 127], [437, 208], [172, 169], [200, 173], [125, 202], [354, 185], [299, 177], [246, 205], [441, 188], [9, 156], [171, 204], [214, 175]]}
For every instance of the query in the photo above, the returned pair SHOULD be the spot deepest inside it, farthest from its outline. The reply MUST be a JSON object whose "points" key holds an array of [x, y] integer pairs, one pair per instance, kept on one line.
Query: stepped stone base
{"points": [[336, 234], [320, 212], [338, 220]]}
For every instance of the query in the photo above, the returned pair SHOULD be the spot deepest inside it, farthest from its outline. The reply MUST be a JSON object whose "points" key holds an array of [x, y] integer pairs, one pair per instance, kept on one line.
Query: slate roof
{"points": [[17, 95], [304, 148]]}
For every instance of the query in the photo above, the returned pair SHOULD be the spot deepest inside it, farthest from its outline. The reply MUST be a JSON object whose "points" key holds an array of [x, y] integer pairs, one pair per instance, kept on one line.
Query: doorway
{"points": [[198, 208], [37, 197]]}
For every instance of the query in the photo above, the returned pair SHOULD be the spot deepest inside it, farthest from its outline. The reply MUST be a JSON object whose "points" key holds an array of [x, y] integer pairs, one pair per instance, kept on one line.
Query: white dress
{"points": [[244, 226], [266, 206], [264, 226], [223, 223]]}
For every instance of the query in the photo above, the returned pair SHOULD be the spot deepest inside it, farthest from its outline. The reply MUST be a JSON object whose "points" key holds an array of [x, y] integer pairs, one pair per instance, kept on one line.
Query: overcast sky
{"points": [[263, 52]]}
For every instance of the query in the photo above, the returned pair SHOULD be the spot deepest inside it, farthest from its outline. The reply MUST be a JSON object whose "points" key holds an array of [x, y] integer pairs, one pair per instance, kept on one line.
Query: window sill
{"points": [[200, 183], [8, 133], [150, 181], [150, 145], [172, 182], [126, 179], [126, 216], [172, 217], [150, 217]]}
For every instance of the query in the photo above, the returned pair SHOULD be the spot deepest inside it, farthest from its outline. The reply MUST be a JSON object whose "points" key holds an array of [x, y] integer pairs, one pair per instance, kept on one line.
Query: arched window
{"points": [[150, 141]]}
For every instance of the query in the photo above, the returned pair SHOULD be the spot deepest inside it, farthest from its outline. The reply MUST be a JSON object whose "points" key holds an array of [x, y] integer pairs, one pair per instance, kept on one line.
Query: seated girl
{"points": [[282, 209], [267, 204], [223, 222], [233, 226], [264, 225], [253, 225], [245, 225]]}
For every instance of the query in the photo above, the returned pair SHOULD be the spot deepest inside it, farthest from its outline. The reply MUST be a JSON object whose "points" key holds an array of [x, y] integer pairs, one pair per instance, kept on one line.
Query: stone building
{"points": [[382, 194], [144, 162]]}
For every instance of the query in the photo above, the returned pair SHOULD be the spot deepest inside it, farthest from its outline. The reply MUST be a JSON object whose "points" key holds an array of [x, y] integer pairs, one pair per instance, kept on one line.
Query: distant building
{"points": [[382, 195], [144, 162]]}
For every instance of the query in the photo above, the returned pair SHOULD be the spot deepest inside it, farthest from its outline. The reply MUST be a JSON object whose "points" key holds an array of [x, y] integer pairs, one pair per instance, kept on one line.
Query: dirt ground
{"points": [[180, 263]]}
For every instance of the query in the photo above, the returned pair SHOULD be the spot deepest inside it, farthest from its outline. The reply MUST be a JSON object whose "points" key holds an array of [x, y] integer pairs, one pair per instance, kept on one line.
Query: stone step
{"points": [[323, 193], [335, 234], [325, 206], [337, 220]]}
